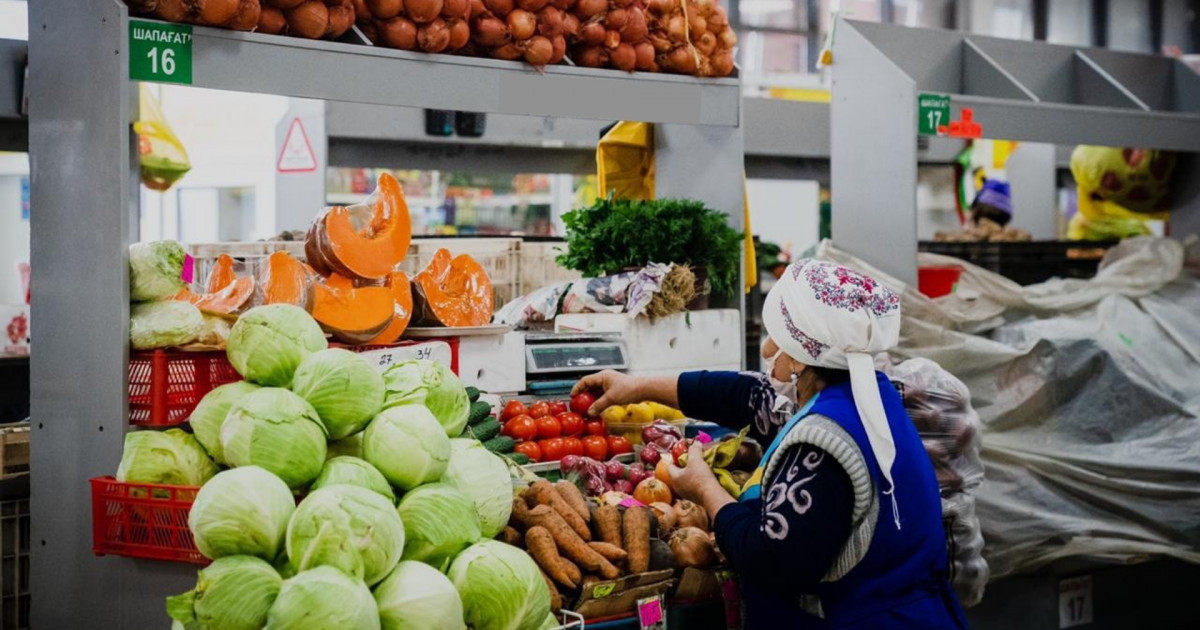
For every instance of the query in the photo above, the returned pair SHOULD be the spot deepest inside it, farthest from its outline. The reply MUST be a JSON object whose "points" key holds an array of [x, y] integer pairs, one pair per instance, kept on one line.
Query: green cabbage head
{"points": [[429, 383], [415, 595], [501, 587], [356, 472], [241, 511], [209, 415], [348, 527], [172, 457], [232, 593], [323, 599], [439, 522], [483, 476], [407, 445], [344, 388], [155, 270], [276, 430], [163, 324], [269, 342]]}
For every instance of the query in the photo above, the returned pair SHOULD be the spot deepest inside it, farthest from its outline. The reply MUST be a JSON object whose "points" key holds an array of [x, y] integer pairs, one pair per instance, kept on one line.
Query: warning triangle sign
{"points": [[297, 155]]}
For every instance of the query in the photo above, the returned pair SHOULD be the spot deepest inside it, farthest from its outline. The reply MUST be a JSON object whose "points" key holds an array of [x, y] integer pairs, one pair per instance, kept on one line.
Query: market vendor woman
{"points": [[841, 525]]}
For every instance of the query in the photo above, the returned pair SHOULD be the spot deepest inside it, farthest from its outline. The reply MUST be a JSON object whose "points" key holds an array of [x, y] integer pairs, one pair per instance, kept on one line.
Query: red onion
{"points": [[500, 7], [460, 33], [650, 456], [521, 24], [489, 31], [384, 9], [637, 472], [456, 8], [589, 8], [595, 486], [623, 57], [398, 33], [539, 51], [614, 470], [433, 37], [623, 486], [569, 464]]}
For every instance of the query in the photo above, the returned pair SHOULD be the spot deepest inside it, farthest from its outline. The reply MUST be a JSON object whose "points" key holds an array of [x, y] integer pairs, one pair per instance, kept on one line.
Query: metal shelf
{"points": [[1029, 91], [250, 62]]}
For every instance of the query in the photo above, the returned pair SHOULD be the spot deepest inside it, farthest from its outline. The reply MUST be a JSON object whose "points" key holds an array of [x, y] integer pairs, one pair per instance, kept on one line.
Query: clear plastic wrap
{"points": [[1089, 402]]}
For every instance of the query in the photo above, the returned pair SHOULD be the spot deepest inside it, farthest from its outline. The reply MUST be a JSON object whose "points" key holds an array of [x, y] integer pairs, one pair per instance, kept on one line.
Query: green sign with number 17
{"points": [[160, 52], [933, 111]]}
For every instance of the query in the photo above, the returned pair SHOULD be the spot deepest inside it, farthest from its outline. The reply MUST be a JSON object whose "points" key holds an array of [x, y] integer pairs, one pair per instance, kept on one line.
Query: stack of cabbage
{"points": [[155, 276], [323, 421]]}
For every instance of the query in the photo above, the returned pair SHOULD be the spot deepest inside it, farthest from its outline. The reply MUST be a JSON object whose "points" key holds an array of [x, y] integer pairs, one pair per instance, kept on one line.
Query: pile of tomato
{"points": [[548, 430]]}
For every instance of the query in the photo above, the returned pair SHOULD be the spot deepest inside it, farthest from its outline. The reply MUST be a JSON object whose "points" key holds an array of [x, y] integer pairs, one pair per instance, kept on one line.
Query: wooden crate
{"points": [[14, 450]]}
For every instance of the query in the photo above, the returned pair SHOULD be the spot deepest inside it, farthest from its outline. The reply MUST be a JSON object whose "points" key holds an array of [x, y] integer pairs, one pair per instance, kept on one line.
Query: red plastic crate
{"points": [[142, 520], [166, 385]]}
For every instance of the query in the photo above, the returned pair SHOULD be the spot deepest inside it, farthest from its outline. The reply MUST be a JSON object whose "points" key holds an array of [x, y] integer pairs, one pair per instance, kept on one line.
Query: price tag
{"points": [[385, 358], [1075, 602], [160, 52], [933, 111], [650, 613], [603, 590]]}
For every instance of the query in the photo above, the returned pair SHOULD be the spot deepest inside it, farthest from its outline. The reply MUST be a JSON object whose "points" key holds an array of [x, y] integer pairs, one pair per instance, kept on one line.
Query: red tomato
{"points": [[618, 445], [581, 402], [521, 428], [530, 450], [539, 409], [596, 427], [572, 423], [547, 428], [557, 407], [679, 449], [573, 446], [552, 449], [513, 409], [596, 447]]}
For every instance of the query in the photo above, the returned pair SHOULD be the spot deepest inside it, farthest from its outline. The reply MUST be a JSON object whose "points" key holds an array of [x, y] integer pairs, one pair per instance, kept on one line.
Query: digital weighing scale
{"points": [[554, 362]]}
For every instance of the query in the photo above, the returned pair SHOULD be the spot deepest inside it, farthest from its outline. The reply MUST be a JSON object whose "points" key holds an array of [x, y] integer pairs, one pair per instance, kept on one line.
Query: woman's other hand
{"points": [[616, 388], [693, 479]]}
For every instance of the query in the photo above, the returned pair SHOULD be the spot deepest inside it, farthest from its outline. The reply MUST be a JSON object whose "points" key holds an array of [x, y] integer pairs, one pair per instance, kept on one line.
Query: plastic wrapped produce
{"points": [[433, 26], [535, 31], [969, 570], [613, 34], [691, 37], [311, 19]]}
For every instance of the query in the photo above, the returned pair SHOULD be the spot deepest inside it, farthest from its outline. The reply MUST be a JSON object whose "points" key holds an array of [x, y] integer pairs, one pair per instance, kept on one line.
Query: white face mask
{"points": [[785, 391]]}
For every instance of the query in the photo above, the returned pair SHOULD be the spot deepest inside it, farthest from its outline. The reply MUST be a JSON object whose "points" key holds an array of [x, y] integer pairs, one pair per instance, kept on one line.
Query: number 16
{"points": [[168, 61]]}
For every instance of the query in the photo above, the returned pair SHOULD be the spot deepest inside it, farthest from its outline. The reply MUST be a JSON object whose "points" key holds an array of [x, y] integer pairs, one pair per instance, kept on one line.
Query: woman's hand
{"points": [[616, 388], [696, 482]]}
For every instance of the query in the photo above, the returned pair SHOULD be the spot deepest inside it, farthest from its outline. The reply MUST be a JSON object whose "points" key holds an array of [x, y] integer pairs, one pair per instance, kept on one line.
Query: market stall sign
{"points": [[933, 111], [160, 52], [385, 358]]}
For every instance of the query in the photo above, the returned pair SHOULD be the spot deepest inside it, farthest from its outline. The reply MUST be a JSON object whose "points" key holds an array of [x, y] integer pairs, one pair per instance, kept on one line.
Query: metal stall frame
{"points": [[14, 129], [85, 186], [1018, 90]]}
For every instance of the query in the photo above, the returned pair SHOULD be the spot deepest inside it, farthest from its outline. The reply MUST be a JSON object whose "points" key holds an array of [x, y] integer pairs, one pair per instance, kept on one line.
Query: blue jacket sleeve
{"points": [[733, 400], [797, 530]]}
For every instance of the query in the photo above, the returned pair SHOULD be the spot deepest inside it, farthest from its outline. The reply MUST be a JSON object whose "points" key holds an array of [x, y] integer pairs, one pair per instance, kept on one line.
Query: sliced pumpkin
{"points": [[402, 305], [452, 292], [362, 242], [352, 315], [222, 274], [284, 280], [228, 301]]}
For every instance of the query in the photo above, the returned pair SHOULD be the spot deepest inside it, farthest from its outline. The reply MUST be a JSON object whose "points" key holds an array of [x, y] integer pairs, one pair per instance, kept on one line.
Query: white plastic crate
{"points": [[538, 268], [250, 255]]}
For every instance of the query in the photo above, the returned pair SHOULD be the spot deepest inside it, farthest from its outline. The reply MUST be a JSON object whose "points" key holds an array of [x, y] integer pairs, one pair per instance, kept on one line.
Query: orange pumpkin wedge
{"points": [[402, 305], [352, 315], [222, 274], [362, 242], [454, 292], [284, 280], [228, 301]]}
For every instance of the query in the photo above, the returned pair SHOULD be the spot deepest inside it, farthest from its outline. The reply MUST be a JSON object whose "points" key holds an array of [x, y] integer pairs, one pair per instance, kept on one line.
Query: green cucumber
{"points": [[473, 394], [500, 444], [479, 412], [485, 431], [520, 458]]}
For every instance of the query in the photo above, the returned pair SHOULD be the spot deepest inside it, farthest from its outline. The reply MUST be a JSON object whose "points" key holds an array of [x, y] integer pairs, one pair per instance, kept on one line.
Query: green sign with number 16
{"points": [[160, 52], [933, 111]]}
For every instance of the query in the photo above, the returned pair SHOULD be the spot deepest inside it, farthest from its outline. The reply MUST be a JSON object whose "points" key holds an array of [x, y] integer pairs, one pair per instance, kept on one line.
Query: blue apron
{"points": [[901, 581]]}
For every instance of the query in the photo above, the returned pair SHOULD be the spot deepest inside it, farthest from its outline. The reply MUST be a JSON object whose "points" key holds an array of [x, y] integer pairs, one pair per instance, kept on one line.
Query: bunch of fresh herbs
{"points": [[615, 234]]}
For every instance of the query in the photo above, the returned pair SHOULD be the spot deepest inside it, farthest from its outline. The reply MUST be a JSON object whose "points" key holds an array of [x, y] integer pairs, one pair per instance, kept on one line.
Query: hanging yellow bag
{"points": [[161, 155]]}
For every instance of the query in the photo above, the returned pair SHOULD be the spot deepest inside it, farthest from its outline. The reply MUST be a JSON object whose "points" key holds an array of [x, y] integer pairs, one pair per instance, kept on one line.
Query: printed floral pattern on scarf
{"points": [[839, 287], [813, 347]]}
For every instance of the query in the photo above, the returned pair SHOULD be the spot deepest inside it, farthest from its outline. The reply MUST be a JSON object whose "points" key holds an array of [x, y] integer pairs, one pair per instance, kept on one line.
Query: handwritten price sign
{"points": [[385, 358]]}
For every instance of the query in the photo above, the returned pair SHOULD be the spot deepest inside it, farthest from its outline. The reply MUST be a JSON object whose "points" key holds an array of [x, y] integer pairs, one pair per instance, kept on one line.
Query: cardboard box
{"points": [[698, 584], [613, 598]]}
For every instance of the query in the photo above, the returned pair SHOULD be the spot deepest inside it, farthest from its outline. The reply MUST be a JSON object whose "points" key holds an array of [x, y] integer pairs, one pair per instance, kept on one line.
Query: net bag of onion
{"points": [[241, 15], [311, 19], [691, 37], [535, 31], [613, 34], [432, 26]]}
